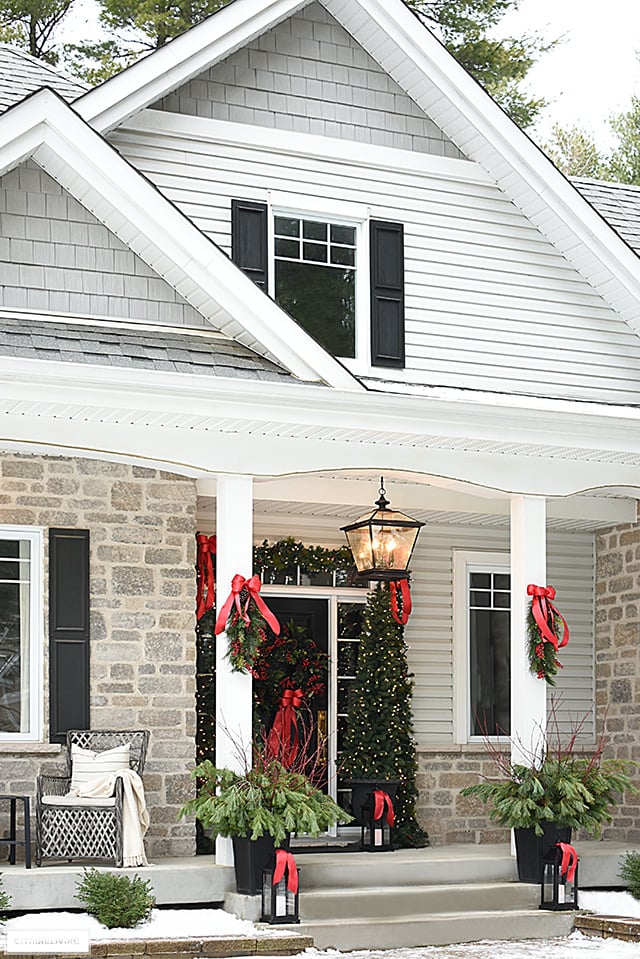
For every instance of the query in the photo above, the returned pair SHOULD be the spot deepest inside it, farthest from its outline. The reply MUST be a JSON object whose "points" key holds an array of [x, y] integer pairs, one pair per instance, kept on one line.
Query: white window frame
{"points": [[465, 562], [345, 214], [35, 536]]}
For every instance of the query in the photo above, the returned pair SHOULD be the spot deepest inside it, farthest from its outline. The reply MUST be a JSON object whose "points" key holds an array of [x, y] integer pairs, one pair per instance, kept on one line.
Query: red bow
{"points": [[252, 589], [204, 574], [283, 739], [381, 802], [569, 862], [401, 617], [285, 861], [543, 612]]}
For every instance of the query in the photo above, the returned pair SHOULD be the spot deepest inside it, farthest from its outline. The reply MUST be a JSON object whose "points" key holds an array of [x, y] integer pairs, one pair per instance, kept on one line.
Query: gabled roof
{"points": [[45, 128], [618, 203], [133, 347], [22, 74], [421, 65]]}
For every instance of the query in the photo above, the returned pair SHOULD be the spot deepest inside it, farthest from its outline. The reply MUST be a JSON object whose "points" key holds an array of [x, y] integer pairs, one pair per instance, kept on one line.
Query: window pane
{"points": [[10, 549], [502, 600], [480, 580], [343, 256], [489, 669], [343, 234], [322, 300], [14, 648], [502, 581], [289, 248], [313, 230], [479, 598], [284, 226], [10, 569], [315, 251]]}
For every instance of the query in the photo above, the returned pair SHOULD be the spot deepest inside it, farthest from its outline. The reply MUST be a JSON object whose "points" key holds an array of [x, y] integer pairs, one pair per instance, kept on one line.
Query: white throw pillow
{"points": [[87, 766]]}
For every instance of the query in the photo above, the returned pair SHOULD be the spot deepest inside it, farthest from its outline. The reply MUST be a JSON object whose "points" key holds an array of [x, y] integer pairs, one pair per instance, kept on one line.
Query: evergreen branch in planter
{"points": [[560, 784]]}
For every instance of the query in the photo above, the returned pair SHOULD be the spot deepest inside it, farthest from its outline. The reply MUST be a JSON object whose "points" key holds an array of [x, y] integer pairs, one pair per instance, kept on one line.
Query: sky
{"points": [[594, 71], [588, 76]]}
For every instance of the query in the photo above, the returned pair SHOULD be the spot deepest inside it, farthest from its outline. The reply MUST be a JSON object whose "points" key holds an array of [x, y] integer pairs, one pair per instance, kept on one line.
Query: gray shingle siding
{"points": [[56, 256], [153, 349], [22, 74], [309, 75]]}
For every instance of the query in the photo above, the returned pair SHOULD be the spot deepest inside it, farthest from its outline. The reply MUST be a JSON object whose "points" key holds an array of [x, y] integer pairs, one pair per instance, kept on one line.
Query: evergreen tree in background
{"points": [[379, 739], [30, 25]]}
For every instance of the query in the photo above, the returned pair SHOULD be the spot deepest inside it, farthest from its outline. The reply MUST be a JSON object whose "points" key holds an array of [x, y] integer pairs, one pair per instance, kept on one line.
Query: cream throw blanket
{"points": [[135, 818]]}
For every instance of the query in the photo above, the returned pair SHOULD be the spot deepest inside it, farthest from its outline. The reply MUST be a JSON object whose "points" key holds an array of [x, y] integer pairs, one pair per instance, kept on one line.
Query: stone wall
{"points": [[142, 525], [617, 644], [447, 816]]}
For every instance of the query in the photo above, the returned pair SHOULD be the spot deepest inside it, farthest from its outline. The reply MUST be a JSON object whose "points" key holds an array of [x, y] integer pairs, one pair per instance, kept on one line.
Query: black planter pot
{"points": [[361, 790], [531, 849], [250, 857]]}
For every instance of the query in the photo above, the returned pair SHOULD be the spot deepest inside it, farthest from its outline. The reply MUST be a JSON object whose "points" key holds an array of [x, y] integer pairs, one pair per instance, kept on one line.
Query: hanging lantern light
{"points": [[382, 541]]}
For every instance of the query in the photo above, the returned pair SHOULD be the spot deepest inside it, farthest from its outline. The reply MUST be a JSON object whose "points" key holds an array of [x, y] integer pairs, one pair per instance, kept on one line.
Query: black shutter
{"points": [[249, 240], [68, 631], [387, 293]]}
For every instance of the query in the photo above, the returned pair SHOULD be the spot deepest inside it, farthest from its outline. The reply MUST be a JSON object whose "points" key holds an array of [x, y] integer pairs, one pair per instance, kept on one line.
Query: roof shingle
{"points": [[22, 74]]}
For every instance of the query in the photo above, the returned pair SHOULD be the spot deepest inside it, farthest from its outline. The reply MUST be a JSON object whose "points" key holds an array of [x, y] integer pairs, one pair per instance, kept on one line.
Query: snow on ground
{"points": [[575, 946], [609, 903], [164, 924]]}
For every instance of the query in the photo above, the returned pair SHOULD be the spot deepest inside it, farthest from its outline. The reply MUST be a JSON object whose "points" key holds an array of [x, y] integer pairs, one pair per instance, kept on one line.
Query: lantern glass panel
{"points": [[392, 544], [360, 544]]}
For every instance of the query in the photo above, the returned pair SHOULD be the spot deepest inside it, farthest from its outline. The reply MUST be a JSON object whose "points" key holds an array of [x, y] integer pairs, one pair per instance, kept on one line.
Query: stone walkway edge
{"points": [[608, 927], [215, 948]]}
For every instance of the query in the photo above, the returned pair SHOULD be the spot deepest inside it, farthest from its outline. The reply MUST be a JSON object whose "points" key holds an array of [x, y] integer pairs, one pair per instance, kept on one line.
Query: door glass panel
{"points": [[489, 654], [350, 617]]}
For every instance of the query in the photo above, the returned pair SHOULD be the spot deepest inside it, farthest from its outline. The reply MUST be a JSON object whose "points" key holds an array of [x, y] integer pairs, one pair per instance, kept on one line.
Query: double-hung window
{"points": [[336, 271], [20, 633], [315, 278], [482, 644]]}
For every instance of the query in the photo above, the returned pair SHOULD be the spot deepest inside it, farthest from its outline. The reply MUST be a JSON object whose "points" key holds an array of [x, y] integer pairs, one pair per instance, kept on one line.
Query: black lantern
{"points": [[559, 885], [382, 541], [376, 820], [280, 890]]}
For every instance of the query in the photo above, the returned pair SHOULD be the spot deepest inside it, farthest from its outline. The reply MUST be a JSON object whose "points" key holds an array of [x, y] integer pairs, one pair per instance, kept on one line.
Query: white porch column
{"points": [[234, 531], [528, 565]]}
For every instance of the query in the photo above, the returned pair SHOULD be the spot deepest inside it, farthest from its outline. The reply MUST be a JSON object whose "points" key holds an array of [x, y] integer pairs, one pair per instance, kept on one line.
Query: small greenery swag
{"points": [[543, 651]]}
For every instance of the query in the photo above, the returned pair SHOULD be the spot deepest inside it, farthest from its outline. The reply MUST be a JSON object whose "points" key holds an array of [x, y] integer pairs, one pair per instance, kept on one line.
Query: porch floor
{"points": [[198, 880]]}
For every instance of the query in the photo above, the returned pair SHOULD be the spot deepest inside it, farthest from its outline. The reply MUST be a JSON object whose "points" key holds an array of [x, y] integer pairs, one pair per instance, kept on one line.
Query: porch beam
{"points": [[528, 565], [234, 529]]}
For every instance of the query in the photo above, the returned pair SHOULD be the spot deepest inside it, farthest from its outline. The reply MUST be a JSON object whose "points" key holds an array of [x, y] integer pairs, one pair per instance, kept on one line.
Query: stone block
{"points": [[132, 581]]}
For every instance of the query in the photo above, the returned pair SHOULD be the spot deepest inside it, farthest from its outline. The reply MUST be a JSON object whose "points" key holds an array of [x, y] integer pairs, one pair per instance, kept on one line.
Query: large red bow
{"points": [[252, 589], [382, 803], [569, 862], [286, 862], [204, 574], [401, 616], [283, 741], [544, 611]]}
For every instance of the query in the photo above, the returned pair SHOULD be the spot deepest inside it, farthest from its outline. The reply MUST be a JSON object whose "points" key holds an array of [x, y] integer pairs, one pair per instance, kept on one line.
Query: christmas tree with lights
{"points": [[379, 738]]}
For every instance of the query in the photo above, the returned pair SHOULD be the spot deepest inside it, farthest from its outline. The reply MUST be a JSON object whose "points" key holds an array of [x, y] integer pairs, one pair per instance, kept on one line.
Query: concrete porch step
{"points": [[376, 902], [437, 929]]}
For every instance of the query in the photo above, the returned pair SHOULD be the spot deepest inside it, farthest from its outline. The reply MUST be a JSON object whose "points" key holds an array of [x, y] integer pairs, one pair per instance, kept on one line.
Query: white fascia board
{"points": [[158, 73], [93, 172], [270, 140], [466, 414]]}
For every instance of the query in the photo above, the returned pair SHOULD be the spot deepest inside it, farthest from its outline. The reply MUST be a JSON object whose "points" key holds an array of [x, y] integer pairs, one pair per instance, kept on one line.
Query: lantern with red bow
{"points": [[244, 618], [547, 633], [377, 818], [559, 886], [280, 895]]}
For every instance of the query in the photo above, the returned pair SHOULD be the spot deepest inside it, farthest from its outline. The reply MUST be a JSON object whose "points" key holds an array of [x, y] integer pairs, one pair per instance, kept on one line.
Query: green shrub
{"points": [[116, 901], [630, 873], [5, 900]]}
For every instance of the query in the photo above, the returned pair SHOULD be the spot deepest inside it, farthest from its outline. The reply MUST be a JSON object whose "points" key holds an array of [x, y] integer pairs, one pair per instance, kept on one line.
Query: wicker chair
{"points": [[85, 828]]}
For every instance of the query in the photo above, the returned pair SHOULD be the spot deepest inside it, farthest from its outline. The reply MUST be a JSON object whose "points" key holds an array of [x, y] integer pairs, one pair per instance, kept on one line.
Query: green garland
{"points": [[244, 638], [543, 657], [288, 553]]}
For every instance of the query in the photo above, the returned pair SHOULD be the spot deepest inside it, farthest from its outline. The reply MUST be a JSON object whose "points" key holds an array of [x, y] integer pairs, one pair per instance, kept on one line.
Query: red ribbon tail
{"points": [[381, 802], [569, 862], [401, 617], [286, 862]]}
